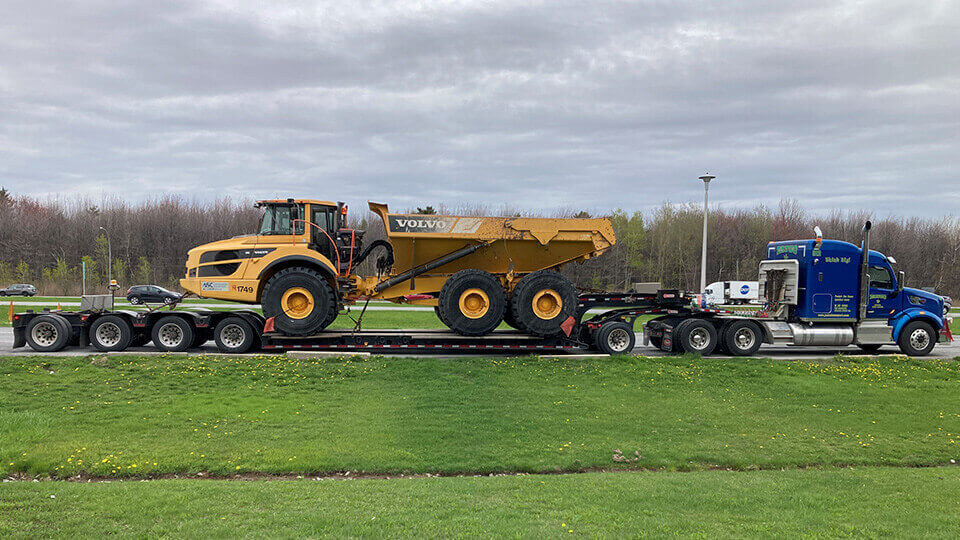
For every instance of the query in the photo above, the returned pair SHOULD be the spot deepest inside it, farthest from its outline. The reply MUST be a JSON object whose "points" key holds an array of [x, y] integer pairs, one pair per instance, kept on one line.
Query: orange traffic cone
{"points": [[58, 306]]}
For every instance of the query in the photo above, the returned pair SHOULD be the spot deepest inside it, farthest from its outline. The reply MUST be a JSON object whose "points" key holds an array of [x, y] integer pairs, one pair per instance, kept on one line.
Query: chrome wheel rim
{"points": [[919, 339], [744, 338], [699, 338], [170, 335], [618, 340], [108, 334], [45, 334], [232, 335]]}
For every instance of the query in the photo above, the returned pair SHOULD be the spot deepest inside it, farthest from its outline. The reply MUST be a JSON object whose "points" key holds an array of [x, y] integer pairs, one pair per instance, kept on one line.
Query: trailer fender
{"points": [[912, 314]]}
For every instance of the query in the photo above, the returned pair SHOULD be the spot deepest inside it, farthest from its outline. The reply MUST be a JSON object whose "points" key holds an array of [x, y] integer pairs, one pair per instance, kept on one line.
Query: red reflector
{"points": [[567, 326]]}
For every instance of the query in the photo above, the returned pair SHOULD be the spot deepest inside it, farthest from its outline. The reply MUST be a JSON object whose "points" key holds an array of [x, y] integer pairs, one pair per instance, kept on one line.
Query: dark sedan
{"points": [[147, 294]]}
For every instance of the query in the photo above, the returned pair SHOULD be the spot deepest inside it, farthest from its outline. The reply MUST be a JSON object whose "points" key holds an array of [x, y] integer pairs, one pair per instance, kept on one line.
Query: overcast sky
{"points": [[839, 104]]}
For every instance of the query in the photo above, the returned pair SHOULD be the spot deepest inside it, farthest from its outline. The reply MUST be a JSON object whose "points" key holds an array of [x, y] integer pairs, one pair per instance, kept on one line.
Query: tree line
{"points": [[46, 242]]}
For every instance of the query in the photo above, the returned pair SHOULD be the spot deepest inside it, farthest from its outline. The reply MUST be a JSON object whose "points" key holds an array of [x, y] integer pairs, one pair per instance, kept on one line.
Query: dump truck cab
{"points": [[290, 233]]}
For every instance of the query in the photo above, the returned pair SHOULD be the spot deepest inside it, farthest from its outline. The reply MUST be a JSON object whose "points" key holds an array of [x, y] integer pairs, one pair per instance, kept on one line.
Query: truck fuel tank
{"points": [[822, 334]]}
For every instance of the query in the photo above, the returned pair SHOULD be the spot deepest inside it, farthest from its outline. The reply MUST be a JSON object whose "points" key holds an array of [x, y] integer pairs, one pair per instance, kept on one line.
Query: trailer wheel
{"points": [[110, 333], [697, 336], [234, 335], [300, 300], [741, 338], [542, 301], [173, 334], [616, 337], [48, 333], [472, 302], [917, 338]]}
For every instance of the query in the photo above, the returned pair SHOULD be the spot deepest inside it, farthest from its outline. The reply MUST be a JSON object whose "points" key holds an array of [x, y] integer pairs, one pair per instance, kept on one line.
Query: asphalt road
{"points": [[782, 352]]}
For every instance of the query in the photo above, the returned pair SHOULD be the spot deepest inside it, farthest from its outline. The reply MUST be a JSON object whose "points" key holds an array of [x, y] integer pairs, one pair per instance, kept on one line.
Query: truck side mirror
{"points": [[901, 277]]}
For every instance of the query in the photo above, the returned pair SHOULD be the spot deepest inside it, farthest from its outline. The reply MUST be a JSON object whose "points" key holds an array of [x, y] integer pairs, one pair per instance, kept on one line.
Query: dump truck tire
{"points": [[300, 301], [472, 303], [508, 318], [542, 301]]}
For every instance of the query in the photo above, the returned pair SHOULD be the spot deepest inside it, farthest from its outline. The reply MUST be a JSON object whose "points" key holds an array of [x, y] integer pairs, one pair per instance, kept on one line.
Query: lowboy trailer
{"points": [[610, 331]]}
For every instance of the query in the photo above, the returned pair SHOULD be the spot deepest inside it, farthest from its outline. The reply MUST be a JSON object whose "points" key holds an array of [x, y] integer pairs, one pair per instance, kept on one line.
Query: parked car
{"points": [[19, 289], [146, 294]]}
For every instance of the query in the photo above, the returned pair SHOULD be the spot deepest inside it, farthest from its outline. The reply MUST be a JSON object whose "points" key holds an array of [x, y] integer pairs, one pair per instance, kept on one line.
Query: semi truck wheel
{"points": [[110, 333], [697, 336], [472, 302], [300, 300], [173, 334], [741, 338], [234, 335], [615, 337], [917, 338], [542, 301], [48, 333]]}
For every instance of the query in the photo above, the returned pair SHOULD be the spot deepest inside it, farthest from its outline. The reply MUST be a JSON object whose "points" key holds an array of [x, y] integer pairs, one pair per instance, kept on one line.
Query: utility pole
{"points": [[703, 256]]}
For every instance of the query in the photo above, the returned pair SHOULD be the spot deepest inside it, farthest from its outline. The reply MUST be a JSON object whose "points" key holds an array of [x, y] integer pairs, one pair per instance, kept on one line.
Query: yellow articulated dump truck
{"points": [[477, 272]]}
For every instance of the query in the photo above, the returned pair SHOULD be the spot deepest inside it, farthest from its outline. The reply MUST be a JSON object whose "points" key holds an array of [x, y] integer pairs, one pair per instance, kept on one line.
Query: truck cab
{"points": [[827, 292]]}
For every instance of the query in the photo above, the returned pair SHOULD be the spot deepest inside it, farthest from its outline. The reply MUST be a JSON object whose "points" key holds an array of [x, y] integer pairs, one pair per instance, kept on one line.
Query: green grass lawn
{"points": [[865, 502], [134, 416]]}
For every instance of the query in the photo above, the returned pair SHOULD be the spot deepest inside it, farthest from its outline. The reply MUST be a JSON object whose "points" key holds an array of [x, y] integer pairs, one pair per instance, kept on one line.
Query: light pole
{"points": [[703, 256], [110, 257]]}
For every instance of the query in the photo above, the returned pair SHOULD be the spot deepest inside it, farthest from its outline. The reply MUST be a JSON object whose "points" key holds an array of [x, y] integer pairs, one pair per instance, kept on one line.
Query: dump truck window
{"points": [[880, 277], [278, 219]]}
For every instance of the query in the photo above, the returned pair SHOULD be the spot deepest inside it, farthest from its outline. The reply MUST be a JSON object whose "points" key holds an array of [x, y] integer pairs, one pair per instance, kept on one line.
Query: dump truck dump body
{"points": [[514, 246]]}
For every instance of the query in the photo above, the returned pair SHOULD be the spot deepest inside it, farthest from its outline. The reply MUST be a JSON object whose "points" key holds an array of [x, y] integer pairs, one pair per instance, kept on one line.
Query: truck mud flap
{"points": [[18, 338], [666, 342]]}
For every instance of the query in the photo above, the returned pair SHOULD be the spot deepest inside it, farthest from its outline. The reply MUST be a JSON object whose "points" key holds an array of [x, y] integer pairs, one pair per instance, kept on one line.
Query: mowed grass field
{"points": [[866, 502], [734, 447], [849, 435]]}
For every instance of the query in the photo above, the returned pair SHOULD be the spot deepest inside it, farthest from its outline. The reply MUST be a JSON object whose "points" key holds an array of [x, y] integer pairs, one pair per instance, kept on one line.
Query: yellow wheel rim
{"points": [[547, 304], [474, 303], [297, 302]]}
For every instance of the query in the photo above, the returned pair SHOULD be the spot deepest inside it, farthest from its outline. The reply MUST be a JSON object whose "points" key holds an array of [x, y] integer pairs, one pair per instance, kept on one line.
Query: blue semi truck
{"points": [[816, 292]]}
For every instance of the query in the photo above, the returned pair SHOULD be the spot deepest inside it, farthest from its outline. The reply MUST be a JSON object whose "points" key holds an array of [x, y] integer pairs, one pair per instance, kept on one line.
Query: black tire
{"points": [[870, 348], [741, 338], [135, 300], [111, 333], [319, 305], [917, 338], [436, 310], [234, 335], [508, 318], [489, 299], [561, 296], [172, 334], [48, 333], [615, 337], [697, 336]]}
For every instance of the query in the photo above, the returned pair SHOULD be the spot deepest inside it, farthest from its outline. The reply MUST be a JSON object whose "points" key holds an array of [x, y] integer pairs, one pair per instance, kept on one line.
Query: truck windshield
{"points": [[277, 219]]}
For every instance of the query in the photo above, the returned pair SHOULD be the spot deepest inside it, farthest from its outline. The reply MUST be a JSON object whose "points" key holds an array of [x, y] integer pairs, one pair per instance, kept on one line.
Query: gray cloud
{"points": [[540, 105]]}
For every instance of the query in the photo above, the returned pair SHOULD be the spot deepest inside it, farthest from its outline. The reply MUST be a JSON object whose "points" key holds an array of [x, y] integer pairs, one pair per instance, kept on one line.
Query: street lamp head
{"points": [[707, 178]]}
